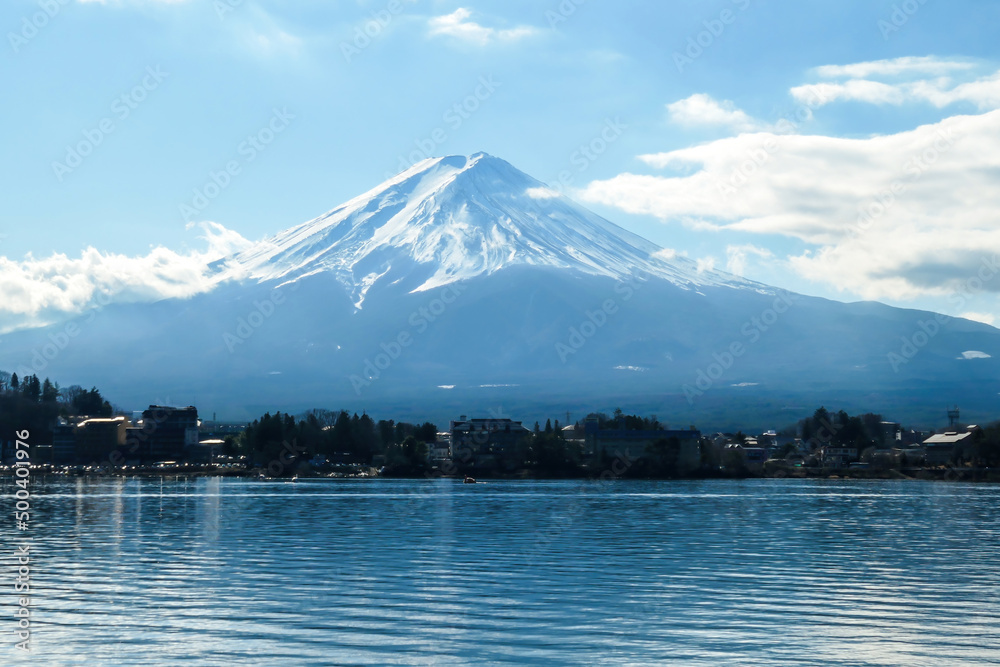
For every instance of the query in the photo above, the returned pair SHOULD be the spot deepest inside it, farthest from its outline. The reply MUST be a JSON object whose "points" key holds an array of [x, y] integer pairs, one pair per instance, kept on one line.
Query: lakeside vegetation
{"points": [[32, 404], [320, 439]]}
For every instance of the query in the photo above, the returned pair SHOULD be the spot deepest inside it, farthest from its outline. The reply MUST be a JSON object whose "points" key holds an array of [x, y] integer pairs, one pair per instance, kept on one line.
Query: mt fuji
{"points": [[464, 286], [451, 219]]}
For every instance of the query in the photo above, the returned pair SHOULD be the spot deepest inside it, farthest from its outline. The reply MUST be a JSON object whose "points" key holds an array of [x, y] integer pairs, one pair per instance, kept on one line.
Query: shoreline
{"points": [[978, 475]]}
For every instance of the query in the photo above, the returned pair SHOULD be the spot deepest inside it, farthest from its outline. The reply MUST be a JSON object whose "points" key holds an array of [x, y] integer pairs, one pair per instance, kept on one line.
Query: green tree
{"points": [[986, 446], [552, 456], [662, 457], [426, 432], [91, 403], [409, 458], [32, 388], [50, 392]]}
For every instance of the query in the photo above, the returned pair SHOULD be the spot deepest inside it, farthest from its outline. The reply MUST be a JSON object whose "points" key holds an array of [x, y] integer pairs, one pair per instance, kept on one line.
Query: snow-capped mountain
{"points": [[454, 218], [464, 286]]}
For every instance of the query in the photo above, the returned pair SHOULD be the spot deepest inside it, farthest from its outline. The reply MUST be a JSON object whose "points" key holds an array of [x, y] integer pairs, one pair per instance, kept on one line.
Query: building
{"points": [[64, 441], [736, 456], [485, 443], [892, 433], [755, 457], [216, 430], [949, 447], [768, 439], [206, 451], [8, 451], [601, 444], [163, 434], [97, 439], [439, 451], [574, 434], [837, 457]]}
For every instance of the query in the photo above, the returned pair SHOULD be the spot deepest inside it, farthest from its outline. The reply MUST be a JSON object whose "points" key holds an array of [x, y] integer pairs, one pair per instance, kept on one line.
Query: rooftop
{"points": [[948, 438]]}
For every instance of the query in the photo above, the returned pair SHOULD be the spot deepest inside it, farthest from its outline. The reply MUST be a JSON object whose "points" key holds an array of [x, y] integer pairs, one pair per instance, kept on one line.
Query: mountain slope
{"points": [[455, 218], [464, 286]]}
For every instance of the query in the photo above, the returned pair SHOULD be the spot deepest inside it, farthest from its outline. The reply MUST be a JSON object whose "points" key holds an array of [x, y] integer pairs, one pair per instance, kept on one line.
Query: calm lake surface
{"points": [[346, 572]]}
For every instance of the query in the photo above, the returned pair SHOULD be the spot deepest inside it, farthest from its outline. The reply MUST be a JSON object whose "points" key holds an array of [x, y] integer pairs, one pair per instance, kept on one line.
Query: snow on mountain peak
{"points": [[453, 218]]}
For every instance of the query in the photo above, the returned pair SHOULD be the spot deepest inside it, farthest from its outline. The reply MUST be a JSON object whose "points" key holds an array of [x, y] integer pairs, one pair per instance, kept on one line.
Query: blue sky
{"points": [[310, 103]]}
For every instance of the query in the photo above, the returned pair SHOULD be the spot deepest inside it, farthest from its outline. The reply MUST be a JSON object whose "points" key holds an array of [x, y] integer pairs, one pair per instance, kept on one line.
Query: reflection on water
{"points": [[320, 572]]}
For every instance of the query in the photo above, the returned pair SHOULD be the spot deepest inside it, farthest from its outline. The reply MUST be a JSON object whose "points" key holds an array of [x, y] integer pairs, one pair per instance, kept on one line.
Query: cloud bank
{"points": [[42, 291], [897, 216]]}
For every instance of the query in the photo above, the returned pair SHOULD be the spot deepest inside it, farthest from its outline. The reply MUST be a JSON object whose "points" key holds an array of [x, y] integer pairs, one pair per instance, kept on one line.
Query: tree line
{"points": [[339, 436], [35, 404]]}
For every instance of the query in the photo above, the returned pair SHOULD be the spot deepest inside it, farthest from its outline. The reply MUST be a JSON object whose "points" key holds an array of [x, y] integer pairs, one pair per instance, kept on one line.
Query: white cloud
{"points": [[985, 318], [926, 80], [458, 25], [858, 90], [702, 110], [899, 216], [737, 256], [895, 67], [42, 291], [974, 354], [706, 264]]}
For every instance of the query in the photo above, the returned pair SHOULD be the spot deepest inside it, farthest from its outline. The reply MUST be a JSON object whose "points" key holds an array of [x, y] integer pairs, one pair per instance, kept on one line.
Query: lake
{"points": [[216, 571]]}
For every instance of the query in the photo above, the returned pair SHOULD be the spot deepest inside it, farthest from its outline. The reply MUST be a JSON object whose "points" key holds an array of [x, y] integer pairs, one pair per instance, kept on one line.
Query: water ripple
{"points": [[321, 572]]}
